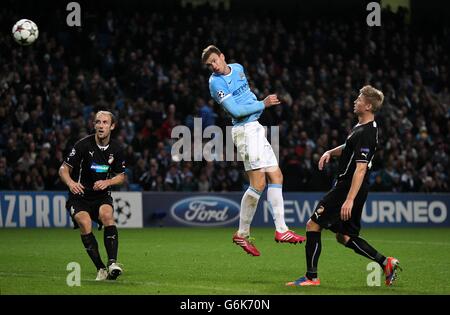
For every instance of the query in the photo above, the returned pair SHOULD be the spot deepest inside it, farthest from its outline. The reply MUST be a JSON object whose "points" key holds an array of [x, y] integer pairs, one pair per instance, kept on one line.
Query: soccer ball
{"points": [[25, 32]]}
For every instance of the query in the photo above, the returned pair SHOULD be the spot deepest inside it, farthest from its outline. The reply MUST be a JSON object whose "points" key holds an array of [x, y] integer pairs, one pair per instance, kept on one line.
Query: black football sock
{"points": [[111, 239], [91, 246], [313, 248], [363, 248]]}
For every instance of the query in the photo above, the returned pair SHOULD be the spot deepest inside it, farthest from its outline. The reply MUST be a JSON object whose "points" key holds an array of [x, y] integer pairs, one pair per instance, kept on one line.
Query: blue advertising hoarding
{"points": [[33, 209], [47, 209], [222, 209], [22, 209]]}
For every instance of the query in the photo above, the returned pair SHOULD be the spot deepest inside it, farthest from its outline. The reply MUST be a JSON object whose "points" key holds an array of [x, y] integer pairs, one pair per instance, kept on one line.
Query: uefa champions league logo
{"points": [[122, 211]]}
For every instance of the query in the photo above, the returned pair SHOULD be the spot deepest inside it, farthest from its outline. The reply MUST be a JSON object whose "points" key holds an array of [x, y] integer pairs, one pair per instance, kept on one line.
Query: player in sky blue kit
{"points": [[229, 87]]}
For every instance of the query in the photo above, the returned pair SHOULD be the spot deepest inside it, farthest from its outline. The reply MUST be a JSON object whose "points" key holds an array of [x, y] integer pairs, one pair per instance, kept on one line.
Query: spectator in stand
{"points": [[49, 93]]}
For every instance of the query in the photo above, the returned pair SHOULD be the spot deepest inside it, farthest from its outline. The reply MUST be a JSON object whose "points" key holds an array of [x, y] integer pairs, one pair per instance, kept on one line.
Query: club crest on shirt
{"points": [[110, 159], [72, 153]]}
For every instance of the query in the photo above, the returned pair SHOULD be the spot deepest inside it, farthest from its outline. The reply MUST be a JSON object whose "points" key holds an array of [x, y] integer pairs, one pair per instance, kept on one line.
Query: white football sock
{"points": [[276, 204], [249, 203]]}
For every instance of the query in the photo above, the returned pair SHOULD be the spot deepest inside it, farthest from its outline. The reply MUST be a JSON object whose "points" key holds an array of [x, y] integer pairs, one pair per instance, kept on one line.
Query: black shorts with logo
{"points": [[330, 217], [76, 204]]}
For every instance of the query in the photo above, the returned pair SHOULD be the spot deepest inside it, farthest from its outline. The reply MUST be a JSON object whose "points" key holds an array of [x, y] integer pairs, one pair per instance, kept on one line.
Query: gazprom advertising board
{"points": [[48, 209], [136, 209]]}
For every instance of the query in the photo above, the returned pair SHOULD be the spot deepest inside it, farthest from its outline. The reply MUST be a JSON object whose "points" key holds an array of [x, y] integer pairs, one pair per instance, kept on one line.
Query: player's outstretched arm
{"points": [[325, 158], [237, 111], [271, 100]]}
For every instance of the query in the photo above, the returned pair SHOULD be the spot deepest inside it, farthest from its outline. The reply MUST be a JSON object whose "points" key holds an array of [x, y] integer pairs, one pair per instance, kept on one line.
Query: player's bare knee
{"points": [[85, 224], [342, 238], [106, 215], [259, 186], [312, 226], [107, 218], [276, 177], [280, 177]]}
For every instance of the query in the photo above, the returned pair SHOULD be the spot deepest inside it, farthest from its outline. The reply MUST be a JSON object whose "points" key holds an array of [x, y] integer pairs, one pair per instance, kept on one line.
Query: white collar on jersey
{"points": [[231, 68], [374, 123], [103, 148]]}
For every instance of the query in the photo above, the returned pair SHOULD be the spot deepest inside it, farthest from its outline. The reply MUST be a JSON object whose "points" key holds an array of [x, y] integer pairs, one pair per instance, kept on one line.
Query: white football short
{"points": [[252, 146]]}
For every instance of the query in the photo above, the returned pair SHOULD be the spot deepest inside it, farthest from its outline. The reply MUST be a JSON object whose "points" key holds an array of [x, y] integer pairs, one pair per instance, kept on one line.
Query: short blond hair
{"points": [[105, 112], [373, 96], [211, 49]]}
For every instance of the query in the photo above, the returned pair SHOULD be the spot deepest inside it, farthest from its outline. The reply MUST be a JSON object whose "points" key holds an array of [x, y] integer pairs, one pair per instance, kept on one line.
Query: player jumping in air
{"points": [[340, 209], [229, 87]]}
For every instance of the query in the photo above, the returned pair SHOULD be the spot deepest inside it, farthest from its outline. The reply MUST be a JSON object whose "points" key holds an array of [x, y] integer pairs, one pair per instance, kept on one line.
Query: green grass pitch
{"points": [[204, 261]]}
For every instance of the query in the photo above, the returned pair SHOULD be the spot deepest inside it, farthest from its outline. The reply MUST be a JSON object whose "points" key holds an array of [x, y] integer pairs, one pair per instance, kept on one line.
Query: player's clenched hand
{"points": [[101, 185], [324, 160], [271, 100], [346, 210], [76, 188]]}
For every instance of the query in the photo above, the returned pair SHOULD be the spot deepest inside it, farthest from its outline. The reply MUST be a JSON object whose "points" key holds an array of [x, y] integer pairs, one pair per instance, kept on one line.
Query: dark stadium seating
{"points": [[144, 65]]}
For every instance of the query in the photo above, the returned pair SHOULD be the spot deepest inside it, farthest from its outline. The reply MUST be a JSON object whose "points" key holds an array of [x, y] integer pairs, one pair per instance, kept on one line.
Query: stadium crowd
{"points": [[145, 68]]}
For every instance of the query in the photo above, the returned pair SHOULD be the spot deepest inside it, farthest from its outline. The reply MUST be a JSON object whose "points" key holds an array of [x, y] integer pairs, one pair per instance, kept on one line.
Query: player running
{"points": [[229, 87], [340, 209]]}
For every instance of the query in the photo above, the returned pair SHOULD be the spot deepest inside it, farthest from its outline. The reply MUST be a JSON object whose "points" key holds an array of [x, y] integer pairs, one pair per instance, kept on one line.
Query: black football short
{"points": [[76, 204], [328, 211]]}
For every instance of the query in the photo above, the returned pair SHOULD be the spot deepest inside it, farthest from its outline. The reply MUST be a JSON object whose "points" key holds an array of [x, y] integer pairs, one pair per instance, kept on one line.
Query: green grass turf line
{"points": [[204, 261]]}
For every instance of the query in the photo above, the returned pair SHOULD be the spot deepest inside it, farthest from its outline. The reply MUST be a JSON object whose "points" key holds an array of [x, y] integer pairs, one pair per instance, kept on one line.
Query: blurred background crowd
{"points": [[144, 66]]}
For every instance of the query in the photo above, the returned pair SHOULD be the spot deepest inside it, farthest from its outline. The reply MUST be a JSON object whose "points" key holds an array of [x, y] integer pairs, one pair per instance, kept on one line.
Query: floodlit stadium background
{"points": [[142, 61]]}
